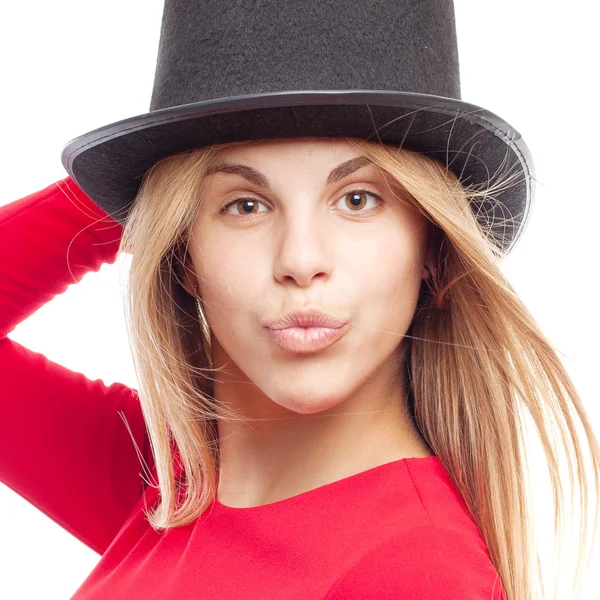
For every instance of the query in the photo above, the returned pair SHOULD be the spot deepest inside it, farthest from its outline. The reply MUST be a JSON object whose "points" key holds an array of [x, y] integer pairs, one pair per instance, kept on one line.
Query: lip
{"points": [[304, 340], [307, 317]]}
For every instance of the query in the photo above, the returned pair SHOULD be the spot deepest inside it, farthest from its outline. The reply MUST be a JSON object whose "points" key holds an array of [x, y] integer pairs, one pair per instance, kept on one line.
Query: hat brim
{"points": [[478, 146]]}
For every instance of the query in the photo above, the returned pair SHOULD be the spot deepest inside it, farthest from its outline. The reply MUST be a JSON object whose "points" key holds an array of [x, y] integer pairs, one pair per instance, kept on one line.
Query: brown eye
{"points": [[356, 200], [243, 206]]}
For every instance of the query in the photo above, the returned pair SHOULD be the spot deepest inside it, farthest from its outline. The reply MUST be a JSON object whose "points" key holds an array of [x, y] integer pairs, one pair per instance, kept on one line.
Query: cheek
{"points": [[391, 262], [228, 284], [388, 285]]}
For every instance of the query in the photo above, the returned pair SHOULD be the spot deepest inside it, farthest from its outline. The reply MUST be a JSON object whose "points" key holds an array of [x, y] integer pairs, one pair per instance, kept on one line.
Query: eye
{"points": [[357, 199], [246, 204], [354, 199]]}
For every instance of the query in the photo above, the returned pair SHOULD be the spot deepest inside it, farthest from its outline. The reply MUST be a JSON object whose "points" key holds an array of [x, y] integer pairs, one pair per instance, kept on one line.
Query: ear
{"points": [[185, 273], [431, 250], [429, 266]]}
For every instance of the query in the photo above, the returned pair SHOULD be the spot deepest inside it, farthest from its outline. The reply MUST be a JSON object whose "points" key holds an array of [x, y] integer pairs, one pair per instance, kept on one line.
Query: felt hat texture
{"points": [[381, 70]]}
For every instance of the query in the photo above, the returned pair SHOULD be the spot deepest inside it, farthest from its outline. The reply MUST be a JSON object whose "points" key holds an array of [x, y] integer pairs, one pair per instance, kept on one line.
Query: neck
{"points": [[272, 453]]}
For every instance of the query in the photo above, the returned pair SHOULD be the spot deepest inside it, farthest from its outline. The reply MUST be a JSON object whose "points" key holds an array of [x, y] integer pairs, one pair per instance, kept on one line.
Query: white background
{"points": [[68, 67]]}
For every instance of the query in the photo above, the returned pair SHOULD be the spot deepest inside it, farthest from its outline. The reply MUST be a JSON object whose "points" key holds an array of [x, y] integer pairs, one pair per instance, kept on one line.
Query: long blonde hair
{"points": [[475, 360]]}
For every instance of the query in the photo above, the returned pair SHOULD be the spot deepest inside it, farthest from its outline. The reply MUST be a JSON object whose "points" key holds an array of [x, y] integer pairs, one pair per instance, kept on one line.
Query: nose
{"points": [[303, 251]]}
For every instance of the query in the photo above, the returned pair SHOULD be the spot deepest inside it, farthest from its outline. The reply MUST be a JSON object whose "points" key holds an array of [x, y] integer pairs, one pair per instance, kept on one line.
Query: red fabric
{"points": [[397, 531]]}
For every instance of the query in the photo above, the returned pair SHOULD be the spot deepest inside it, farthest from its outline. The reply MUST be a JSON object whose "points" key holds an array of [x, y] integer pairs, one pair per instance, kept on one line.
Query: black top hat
{"points": [[374, 69]]}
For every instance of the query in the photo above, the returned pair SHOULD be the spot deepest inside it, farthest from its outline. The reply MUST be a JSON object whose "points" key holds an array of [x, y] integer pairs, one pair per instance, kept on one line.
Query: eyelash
{"points": [[353, 191]]}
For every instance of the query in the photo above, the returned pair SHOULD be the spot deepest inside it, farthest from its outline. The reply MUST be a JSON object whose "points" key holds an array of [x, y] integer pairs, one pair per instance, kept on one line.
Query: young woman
{"points": [[332, 366]]}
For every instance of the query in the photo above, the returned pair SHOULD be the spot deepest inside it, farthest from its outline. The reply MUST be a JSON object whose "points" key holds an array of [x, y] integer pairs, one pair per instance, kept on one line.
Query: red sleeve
{"points": [[63, 445], [425, 563]]}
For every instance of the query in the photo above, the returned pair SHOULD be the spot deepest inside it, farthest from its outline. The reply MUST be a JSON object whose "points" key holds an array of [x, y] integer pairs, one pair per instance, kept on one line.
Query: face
{"points": [[295, 236]]}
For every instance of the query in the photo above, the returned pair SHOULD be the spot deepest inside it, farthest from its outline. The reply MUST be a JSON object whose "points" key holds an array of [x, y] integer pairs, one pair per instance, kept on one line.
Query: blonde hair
{"points": [[475, 360]]}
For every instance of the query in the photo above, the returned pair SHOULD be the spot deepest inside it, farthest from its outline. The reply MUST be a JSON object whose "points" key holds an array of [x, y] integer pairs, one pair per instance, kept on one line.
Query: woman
{"points": [[383, 458]]}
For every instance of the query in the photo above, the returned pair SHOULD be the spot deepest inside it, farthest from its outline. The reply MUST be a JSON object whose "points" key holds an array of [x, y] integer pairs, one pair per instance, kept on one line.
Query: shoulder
{"points": [[423, 563]]}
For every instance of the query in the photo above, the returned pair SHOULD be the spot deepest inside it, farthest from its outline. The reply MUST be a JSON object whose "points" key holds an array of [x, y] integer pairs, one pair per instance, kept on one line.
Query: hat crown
{"points": [[221, 48]]}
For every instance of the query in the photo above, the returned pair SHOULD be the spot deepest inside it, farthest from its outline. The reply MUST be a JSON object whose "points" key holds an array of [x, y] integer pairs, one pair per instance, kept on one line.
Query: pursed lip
{"points": [[307, 317]]}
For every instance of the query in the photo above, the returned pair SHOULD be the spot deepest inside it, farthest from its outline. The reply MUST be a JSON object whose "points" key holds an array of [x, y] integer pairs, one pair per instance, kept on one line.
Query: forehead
{"points": [[329, 159], [299, 155]]}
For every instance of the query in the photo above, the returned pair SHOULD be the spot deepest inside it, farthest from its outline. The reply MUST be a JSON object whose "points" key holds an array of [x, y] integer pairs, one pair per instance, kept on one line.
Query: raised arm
{"points": [[63, 445]]}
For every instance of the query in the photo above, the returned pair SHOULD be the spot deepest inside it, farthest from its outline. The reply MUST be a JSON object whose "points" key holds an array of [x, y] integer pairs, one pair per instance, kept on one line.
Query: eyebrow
{"points": [[342, 170]]}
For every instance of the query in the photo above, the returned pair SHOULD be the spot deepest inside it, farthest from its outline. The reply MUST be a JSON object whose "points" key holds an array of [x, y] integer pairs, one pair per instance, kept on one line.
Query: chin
{"points": [[309, 404]]}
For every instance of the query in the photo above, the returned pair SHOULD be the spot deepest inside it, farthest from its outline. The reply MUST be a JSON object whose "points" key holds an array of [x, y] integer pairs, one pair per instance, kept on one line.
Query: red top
{"points": [[397, 531]]}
